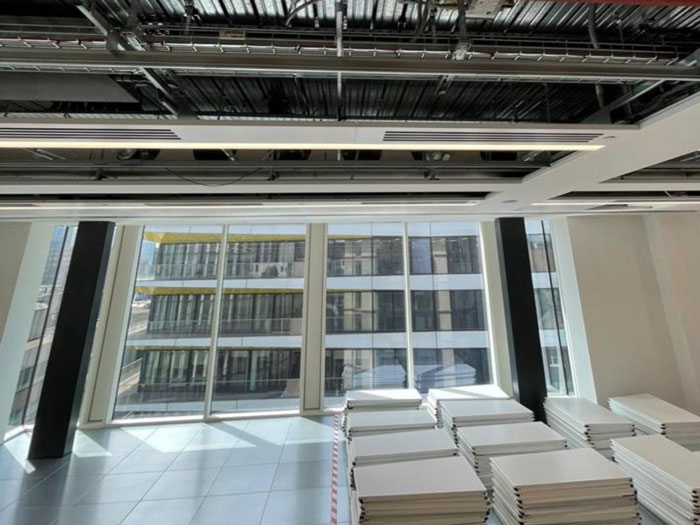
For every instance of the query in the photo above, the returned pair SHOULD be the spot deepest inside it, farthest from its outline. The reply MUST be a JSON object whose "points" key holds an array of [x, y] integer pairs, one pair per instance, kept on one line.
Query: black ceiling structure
{"points": [[522, 61]]}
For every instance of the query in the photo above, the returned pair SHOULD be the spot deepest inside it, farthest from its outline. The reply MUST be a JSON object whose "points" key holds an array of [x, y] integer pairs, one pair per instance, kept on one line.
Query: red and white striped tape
{"points": [[334, 471]]}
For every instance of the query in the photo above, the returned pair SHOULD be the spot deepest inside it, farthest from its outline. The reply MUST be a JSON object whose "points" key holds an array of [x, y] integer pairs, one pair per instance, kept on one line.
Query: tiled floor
{"points": [[257, 472]]}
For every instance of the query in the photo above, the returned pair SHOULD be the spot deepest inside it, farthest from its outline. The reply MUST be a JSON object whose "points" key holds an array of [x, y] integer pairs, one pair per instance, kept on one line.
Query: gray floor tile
{"points": [[214, 436], [309, 452], [98, 514], [93, 465], [19, 468], [197, 459], [303, 430], [238, 480], [145, 461], [115, 488], [171, 438], [241, 509], [266, 431], [170, 512], [251, 455], [12, 489], [59, 489], [113, 439], [306, 475], [183, 484], [41, 515], [303, 507]]}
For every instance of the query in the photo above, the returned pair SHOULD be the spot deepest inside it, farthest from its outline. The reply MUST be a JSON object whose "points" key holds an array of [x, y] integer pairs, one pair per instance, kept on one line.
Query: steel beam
{"points": [[354, 66]]}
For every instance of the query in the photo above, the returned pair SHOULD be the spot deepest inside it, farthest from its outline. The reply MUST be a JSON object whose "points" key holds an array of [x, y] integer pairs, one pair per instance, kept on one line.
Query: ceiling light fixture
{"points": [[149, 207], [188, 145], [619, 203]]}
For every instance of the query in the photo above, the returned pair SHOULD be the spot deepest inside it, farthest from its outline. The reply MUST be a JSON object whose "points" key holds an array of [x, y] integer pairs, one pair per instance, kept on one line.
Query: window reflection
{"points": [[550, 317], [38, 345]]}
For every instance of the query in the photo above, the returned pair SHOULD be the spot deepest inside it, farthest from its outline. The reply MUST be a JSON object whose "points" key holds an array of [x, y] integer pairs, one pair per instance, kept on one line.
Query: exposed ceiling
{"points": [[476, 101]]}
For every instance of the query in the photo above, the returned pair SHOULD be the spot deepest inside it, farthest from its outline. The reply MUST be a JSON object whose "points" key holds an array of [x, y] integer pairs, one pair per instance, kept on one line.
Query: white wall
{"points": [[25, 249], [674, 239], [620, 321]]}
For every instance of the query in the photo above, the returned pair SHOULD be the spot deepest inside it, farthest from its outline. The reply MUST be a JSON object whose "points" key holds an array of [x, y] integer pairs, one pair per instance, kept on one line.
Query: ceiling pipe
{"points": [[279, 65], [648, 3]]}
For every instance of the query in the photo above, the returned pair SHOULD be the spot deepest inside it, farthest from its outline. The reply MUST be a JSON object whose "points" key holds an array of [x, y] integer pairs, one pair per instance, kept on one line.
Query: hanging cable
{"points": [[593, 35]]}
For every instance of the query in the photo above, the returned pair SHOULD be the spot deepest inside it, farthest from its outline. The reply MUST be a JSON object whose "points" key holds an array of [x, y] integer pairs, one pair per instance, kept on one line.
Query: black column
{"points": [[66, 369], [527, 367]]}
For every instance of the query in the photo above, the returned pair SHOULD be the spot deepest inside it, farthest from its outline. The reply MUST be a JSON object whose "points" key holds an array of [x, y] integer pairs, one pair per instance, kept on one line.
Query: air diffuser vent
{"points": [[489, 137], [94, 134]]}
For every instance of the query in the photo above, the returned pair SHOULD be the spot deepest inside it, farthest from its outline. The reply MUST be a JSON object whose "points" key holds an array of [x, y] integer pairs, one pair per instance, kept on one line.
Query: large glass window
{"points": [[553, 338], [38, 346], [215, 325], [449, 333], [258, 358], [164, 367], [365, 309], [257, 335], [366, 321]]}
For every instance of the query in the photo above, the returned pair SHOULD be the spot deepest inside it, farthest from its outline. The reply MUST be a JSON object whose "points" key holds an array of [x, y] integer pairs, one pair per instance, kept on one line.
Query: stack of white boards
{"points": [[389, 399], [443, 491], [477, 412], [397, 447], [384, 421], [565, 486], [480, 444], [666, 475], [437, 395], [652, 415], [586, 424]]}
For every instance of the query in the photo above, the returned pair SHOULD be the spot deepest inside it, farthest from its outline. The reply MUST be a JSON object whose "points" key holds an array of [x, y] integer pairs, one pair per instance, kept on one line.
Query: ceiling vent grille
{"points": [[94, 134], [489, 137]]}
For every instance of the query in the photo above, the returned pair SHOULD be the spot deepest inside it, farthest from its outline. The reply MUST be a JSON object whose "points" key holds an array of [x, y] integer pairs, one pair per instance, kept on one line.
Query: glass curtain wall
{"points": [[164, 365], [365, 309], [258, 356], [367, 326], [174, 324], [449, 333], [550, 316], [38, 345]]}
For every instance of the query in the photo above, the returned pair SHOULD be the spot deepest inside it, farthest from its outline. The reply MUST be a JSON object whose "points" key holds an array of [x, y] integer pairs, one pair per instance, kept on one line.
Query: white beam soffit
{"points": [[320, 210], [409, 136], [669, 134], [280, 64]]}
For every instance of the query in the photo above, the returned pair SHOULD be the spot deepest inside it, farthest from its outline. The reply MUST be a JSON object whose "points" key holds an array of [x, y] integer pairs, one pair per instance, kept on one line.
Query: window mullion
{"points": [[408, 309], [215, 321]]}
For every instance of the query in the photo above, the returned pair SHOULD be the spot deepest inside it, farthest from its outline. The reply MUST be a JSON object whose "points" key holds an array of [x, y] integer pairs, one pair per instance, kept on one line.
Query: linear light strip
{"points": [[621, 203], [146, 207], [144, 143]]}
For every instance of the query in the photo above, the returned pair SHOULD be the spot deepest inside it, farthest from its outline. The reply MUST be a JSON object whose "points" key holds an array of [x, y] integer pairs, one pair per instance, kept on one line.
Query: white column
{"points": [[215, 322], [25, 247], [314, 320], [495, 308], [408, 309], [105, 362], [582, 370]]}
